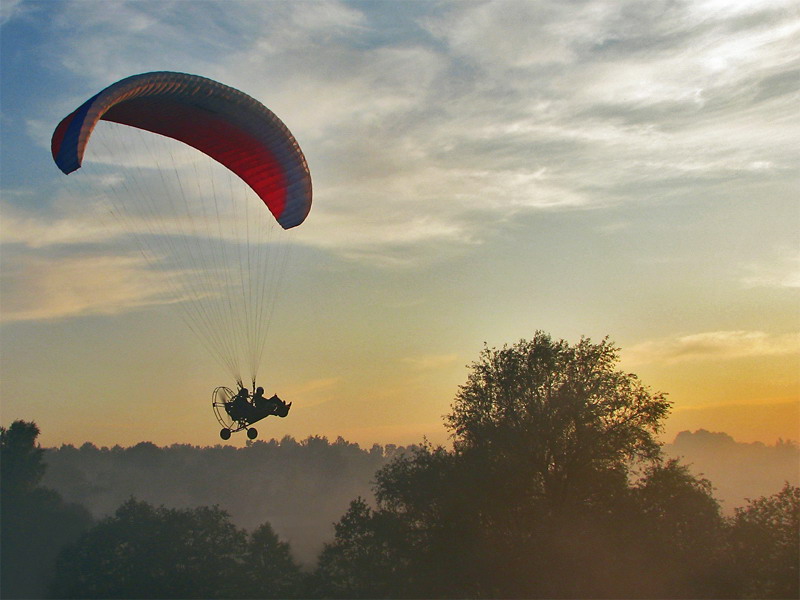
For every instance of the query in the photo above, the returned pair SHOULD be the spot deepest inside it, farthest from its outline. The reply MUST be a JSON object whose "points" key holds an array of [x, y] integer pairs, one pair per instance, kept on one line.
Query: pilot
{"points": [[240, 405], [274, 405]]}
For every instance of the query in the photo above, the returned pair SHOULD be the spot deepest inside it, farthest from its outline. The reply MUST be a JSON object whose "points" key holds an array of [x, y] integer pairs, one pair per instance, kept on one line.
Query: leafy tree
{"points": [[550, 431], [678, 506], [679, 534], [269, 571], [535, 500], [22, 468], [34, 521], [367, 558], [765, 538], [556, 414], [436, 500], [147, 552]]}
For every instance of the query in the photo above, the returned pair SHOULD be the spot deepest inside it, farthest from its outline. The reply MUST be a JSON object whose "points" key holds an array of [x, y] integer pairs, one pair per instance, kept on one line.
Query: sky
{"points": [[481, 171]]}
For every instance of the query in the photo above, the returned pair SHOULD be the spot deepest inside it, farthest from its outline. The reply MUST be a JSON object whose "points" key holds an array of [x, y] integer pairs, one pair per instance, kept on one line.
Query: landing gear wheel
{"points": [[252, 433], [225, 434]]}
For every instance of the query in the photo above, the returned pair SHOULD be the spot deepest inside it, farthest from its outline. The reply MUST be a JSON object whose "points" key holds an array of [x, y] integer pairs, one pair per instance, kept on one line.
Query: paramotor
{"points": [[193, 199]]}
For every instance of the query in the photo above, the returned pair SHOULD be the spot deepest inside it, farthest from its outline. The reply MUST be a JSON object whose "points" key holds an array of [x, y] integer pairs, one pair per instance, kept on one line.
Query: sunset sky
{"points": [[481, 170]]}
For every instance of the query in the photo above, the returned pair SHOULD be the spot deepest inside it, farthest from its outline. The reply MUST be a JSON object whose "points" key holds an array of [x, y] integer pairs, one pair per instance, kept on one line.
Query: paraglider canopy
{"points": [[193, 197], [222, 122]]}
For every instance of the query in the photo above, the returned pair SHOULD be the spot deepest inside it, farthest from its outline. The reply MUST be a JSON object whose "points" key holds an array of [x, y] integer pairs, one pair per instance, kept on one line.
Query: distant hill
{"points": [[738, 471]]}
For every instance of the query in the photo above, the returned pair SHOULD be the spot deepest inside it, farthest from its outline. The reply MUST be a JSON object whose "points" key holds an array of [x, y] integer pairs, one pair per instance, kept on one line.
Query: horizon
{"points": [[368, 445]]}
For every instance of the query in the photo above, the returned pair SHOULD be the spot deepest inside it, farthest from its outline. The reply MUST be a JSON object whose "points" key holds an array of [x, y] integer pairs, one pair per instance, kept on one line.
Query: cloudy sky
{"points": [[482, 170]]}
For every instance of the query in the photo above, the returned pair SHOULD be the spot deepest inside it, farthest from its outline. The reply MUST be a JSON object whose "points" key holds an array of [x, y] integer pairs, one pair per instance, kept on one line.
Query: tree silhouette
{"points": [[147, 552], [364, 558], [558, 415], [22, 468], [538, 498], [436, 500], [680, 534], [269, 571], [550, 431], [34, 521], [765, 537]]}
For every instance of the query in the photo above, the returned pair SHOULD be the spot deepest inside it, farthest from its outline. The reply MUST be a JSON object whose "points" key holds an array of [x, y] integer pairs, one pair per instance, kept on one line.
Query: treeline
{"points": [[555, 488], [739, 471], [300, 487]]}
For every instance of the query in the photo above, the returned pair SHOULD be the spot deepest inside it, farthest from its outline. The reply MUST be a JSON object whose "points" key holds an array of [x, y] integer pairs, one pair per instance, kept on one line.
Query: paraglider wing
{"points": [[222, 122]]}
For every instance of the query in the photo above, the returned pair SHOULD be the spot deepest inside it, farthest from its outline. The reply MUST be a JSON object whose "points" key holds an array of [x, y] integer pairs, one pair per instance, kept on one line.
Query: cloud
{"points": [[510, 34], [782, 271], [644, 83], [132, 37], [428, 362], [316, 391], [35, 229], [385, 134], [713, 345], [106, 247], [317, 385], [44, 288], [9, 9], [474, 113]]}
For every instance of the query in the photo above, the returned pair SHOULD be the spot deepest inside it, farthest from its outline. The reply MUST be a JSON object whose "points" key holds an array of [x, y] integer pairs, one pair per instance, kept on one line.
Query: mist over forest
{"points": [[738, 471], [555, 485], [302, 487]]}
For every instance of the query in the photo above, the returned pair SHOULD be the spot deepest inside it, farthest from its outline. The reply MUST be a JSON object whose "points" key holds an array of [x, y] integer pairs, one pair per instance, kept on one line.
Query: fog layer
{"points": [[302, 488]]}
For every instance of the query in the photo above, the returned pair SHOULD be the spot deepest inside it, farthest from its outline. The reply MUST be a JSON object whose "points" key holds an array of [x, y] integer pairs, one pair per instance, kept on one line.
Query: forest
{"points": [[555, 486]]}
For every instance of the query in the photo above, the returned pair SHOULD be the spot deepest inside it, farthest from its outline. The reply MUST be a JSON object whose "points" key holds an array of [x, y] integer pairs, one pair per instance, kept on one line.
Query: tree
{"points": [[368, 557], [35, 523], [22, 468], [436, 501], [557, 415], [268, 566], [144, 551], [765, 538], [147, 552], [678, 534], [535, 499]]}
